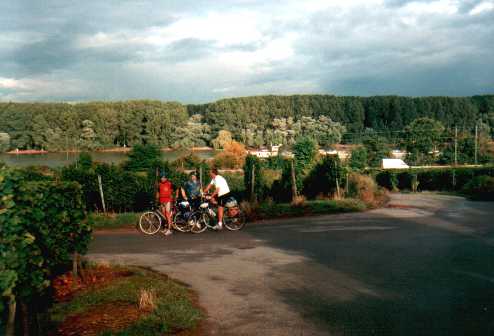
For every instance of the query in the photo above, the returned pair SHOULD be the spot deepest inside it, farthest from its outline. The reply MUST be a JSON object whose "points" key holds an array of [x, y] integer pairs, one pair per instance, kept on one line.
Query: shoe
{"points": [[167, 232], [218, 227]]}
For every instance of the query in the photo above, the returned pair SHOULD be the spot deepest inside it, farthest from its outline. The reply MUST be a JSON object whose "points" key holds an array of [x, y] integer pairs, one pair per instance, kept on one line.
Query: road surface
{"points": [[422, 266]]}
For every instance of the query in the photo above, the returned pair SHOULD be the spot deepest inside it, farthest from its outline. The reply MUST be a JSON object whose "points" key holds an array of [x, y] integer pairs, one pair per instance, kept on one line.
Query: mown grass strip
{"points": [[174, 309]]}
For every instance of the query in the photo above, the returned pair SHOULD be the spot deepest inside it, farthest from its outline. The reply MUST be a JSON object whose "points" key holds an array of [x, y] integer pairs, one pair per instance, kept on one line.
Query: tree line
{"points": [[254, 121]]}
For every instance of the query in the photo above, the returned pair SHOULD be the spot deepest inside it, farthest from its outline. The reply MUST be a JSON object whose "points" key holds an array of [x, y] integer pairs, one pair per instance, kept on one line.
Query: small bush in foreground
{"points": [[364, 188], [174, 310]]}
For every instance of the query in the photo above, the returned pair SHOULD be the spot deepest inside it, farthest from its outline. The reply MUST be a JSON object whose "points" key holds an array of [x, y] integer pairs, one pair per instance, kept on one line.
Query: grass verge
{"points": [[261, 211], [113, 220], [318, 207], [172, 306]]}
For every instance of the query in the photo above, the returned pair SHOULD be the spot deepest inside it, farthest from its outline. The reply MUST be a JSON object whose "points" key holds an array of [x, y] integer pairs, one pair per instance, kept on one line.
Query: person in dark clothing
{"points": [[191, 190]]}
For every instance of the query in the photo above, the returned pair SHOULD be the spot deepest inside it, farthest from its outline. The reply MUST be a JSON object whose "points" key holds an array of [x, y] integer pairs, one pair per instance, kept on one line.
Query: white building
{"points": [[393, 164], [398, 154], [261, 153]]}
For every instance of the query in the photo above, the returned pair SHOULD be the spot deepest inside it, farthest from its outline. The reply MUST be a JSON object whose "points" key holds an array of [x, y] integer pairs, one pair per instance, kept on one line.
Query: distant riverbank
{"points": [[102, 150], [60, 159]]}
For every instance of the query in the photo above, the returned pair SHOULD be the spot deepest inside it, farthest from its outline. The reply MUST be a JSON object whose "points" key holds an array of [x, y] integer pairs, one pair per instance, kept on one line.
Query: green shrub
{"points": [[323, 178], [143, 157], [362, 187], [236, 184], [432, 179], [387, 179], [188, 161], [358, 159], [4, 142], [480, 188], [85, 160], [253, 163], [225, 160], [113, 220], [42, 223], [270, 210], [123, 190], [274, 162]]}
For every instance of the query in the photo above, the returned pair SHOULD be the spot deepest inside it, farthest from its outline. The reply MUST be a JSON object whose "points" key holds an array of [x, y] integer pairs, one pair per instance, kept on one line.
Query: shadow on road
{"points": [[416, 278]]}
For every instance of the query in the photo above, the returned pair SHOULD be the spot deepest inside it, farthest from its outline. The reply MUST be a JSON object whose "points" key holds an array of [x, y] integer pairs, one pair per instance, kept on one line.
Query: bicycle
{"points": [[183, 218], [233, 217]]}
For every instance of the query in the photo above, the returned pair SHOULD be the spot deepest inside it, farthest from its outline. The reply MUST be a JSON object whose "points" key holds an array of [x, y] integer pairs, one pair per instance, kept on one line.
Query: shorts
{"points": [[166, 206], [223, 199]]}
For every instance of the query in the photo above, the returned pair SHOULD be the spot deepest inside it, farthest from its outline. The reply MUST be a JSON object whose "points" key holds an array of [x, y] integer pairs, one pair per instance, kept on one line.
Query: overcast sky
{"points": [[198, 51]]}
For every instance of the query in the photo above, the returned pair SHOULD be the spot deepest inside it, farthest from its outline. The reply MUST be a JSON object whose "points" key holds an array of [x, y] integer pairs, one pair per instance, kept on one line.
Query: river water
{"points": [[63, 159]]}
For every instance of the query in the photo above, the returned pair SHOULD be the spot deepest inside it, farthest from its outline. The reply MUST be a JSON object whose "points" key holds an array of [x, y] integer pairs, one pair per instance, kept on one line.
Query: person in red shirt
{"points": [[165, 198]]}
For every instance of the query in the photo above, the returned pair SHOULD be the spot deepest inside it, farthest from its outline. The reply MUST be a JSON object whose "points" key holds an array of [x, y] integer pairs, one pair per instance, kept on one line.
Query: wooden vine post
{"points": [[10, 327], [101, 193], [252, 184], [338, 189], [75, 273], [294, 182], [200, 176]]}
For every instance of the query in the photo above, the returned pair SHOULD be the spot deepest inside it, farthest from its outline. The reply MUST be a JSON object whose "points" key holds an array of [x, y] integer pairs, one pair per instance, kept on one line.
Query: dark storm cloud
{"points": [[118, 49]]}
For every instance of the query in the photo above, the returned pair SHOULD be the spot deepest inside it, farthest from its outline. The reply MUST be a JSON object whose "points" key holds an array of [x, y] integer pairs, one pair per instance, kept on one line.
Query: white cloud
{"points": [[11, 83], [482, 7], [42, 87], [441, 7], [211, 50]]}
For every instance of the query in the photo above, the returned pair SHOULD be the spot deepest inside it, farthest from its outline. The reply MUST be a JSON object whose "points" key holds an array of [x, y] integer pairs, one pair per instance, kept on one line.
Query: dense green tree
{"points": [[376, 148], [422, 139], [323, 130], [194, 134], [253, 166], [106, 126], [466, 149], [85, 160], [4, 142], [358, 159], [143, 157], [305, 152], [324, 177], [255, 121], [223, 139], [88, 135]]}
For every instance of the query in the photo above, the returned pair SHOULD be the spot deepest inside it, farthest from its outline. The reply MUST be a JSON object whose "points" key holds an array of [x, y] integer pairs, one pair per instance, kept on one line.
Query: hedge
{"points": [[432, 179], [480, 188], [42, 223]]}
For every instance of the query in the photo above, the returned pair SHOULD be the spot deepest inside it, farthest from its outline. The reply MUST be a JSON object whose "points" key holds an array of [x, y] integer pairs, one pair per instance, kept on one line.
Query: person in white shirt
{"points": [[222, 191]]}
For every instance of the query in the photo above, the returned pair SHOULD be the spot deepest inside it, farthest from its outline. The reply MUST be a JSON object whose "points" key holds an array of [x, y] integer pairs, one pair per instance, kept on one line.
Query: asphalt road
{"points": [[423, 266]]}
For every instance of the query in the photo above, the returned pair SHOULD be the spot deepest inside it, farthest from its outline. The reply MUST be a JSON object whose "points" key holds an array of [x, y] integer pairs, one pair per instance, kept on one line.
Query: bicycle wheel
{"points": [[149, 223], [201, 222], [235, 223], [180, 223]]}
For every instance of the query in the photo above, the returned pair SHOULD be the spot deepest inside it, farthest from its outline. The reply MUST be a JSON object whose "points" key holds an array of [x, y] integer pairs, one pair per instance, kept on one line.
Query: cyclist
{"points": [[165, 198], [191, 190], [222, 191]]}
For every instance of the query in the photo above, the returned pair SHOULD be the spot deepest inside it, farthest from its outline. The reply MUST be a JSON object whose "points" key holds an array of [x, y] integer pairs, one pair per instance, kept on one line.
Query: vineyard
{"points": [[42, 228]]}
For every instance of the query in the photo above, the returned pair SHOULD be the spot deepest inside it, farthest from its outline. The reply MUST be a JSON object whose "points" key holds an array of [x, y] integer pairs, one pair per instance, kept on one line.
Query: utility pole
{"points": [[456, 145], [476, 142]]}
